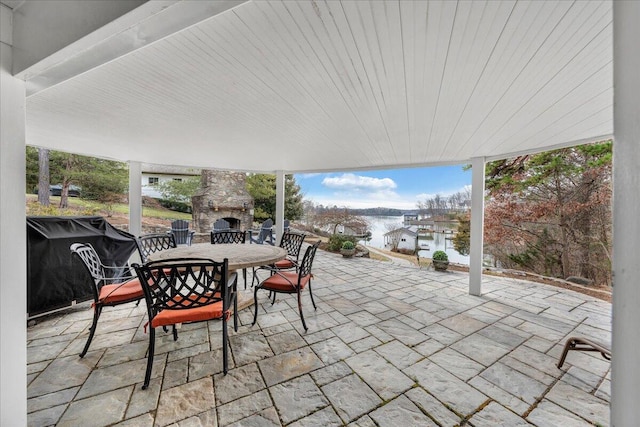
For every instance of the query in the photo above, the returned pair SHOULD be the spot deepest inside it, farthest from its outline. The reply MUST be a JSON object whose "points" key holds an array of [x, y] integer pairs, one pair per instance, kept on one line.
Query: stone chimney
{"points": [[222, 194]]}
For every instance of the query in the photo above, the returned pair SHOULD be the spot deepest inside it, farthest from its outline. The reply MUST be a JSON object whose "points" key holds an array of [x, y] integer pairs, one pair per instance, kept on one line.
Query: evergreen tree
{"points": [[550, 212], [262, 188], [462, 239]]}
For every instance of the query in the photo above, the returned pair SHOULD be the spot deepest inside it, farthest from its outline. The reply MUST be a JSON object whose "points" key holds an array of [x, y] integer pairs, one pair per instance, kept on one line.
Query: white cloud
{"points": [[357, 191], [352, 182], [307, 175]]}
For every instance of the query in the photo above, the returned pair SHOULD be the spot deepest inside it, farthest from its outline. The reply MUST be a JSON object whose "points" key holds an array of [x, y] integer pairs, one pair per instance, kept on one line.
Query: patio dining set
{"points": [[182, 282]]}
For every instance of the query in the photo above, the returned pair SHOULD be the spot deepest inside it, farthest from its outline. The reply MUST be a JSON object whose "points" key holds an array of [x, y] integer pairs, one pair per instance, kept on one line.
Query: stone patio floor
{"points": [[388, 346]]}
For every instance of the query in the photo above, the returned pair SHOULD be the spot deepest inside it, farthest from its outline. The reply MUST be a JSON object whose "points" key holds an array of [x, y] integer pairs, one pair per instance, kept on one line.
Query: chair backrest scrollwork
{"points": [[292, 243], [227, 236], [151, 243], [307, 260]]}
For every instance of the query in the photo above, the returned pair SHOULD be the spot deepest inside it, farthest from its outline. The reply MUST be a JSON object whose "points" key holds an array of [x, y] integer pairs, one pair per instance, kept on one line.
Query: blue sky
{"points": [[397, 188]]}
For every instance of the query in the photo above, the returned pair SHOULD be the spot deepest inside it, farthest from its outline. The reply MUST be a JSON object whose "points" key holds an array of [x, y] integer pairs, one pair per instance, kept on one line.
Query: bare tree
{"points": [[334, 217], [452, 201], [393, 234], [308, 212], [422, 209], [437, 203]]}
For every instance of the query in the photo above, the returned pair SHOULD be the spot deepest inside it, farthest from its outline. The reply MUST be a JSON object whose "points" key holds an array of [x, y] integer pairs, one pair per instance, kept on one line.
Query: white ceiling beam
{"points": [[144, 25]]}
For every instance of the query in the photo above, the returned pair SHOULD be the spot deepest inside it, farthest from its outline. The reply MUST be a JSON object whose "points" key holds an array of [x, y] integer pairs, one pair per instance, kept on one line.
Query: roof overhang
{"points": [[318, 86]]}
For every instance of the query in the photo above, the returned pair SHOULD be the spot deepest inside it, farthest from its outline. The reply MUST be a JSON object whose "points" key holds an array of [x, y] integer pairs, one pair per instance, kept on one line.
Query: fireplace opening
{"points": [[234, 223]]}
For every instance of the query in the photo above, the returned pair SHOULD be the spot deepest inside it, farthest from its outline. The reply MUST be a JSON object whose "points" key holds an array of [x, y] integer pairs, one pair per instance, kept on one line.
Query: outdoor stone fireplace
{"points": [[222, 194]]}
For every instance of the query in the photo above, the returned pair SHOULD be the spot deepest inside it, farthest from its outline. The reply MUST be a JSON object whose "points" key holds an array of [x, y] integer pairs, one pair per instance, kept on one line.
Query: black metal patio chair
{"points": [[292, 243], [290, 282], [229, 237], [184, 291], [111, 286], [151, 243]]}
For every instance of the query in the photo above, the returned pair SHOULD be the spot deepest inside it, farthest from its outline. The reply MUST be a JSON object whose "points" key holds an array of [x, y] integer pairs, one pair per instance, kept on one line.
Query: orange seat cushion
{"points": [[279, 283], [183, 315], [284, 264], [120, 292]]}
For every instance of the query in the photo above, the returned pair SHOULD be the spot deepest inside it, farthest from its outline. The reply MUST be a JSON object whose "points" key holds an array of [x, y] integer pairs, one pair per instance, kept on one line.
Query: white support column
{"points": [[477, 226], [135, 198], [13, 237], [279, 219], [625, 390]]}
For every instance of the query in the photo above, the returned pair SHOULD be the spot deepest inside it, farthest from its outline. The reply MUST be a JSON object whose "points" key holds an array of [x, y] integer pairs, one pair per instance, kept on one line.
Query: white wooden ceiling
{"points": [[338, 85]]}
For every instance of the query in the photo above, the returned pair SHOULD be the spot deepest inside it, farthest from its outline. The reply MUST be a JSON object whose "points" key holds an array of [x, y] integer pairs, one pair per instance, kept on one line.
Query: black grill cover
{"points": [[54, 278]]}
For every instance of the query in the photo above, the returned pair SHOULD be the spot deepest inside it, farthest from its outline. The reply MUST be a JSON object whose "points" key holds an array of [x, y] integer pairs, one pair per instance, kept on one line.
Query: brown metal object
{"points": [[583, 344]]}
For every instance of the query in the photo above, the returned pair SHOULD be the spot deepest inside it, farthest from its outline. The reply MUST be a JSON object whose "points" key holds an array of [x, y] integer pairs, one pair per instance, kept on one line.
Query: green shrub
{"points": [[336, 241], [176, 206], [347, 244], [440, 256]]}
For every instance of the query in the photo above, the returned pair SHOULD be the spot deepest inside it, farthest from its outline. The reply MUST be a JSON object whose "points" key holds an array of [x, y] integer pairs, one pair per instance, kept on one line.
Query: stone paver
{"points": [[184, 401], [494, 415], [501, 396], [238, 383], [456, 363], [481, 349], [51, 400], [325, 417], [400, 412], [46, 417], [114, 377], [265, 418], [548, 414], [289, 365], [63, 373], [97, 411], [384, 378], [514, 382], [297, 398], [249, 348], [433, 407], [388, 345], [332, 350], [331, 373], [586, 405], [351, 397], [449, 389], [244, 407]]}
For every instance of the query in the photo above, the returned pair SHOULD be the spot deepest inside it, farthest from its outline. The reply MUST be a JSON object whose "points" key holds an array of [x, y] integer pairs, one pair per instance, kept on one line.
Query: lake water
{"points": [[438, 242]]}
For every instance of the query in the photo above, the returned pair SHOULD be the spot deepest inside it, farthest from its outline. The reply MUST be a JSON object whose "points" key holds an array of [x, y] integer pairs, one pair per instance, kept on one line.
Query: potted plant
{"points": [[440, 260], [348, 249]]}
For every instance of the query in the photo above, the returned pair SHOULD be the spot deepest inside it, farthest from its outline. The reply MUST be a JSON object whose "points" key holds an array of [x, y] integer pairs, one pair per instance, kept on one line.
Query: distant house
{"points": [[153, 175], [404, 237]]}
